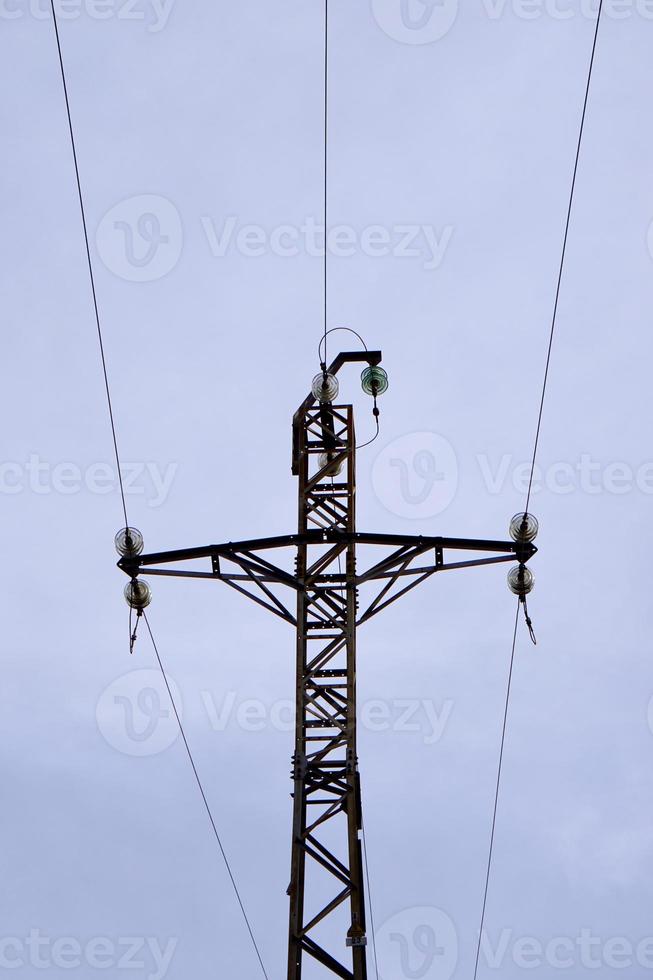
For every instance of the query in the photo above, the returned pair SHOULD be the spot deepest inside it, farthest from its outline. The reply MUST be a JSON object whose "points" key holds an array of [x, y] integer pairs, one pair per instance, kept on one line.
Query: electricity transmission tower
{"points": [[329, 566]]}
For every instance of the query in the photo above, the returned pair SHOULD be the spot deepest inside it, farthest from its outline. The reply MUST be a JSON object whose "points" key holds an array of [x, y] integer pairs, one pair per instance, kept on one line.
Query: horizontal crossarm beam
{"points": [[392, 569], [241, 551]]}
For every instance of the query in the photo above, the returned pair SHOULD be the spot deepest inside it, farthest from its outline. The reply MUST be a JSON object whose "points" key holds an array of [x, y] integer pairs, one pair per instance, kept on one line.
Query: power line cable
{"points": [[498, 789], [530, 483], [369, 893], [122, 492], [564, 251], [89, 260], [333, 330], [326, 167], [204, 798]]}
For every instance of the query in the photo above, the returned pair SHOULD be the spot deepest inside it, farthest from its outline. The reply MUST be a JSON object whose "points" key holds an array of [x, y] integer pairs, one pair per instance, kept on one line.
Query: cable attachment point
{"points": [[325, 387], [520, 580], [524, 528], [138, 594], [529, 622], [374, 381], [129, 542], [132, 635]]}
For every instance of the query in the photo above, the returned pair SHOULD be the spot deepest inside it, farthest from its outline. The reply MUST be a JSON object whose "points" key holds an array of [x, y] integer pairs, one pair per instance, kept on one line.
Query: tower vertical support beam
{"points": [[357, 937], [327, 866], [298, 865]]}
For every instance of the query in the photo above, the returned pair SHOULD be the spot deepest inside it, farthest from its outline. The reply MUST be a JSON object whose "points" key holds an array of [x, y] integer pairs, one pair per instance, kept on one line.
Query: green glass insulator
{"points": [[374, 381]]}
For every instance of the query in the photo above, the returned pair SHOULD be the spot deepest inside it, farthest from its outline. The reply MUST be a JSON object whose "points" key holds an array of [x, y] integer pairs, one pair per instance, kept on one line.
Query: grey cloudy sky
{"points": [[452, 140]]}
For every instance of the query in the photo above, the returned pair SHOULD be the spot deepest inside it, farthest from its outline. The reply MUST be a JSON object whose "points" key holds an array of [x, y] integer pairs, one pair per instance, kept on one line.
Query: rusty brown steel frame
{"points": [[326, 778], [325, 582]]}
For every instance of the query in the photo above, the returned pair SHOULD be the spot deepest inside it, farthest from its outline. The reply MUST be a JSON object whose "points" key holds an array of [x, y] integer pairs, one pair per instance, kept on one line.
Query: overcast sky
{"points": [[453, 133]]}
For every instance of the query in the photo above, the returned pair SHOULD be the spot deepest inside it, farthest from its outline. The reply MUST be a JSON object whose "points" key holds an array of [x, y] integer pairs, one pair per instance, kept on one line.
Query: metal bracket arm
{"points": [[371, 357]]}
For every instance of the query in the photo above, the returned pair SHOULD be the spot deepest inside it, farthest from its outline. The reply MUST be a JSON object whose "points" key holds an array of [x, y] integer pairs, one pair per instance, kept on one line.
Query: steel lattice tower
{"points": [[332, 564], [326, 780]]}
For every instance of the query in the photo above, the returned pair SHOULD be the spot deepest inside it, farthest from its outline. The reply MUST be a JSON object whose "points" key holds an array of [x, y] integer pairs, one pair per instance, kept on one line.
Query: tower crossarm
{"points": [[408, 561], [244, 554]]}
